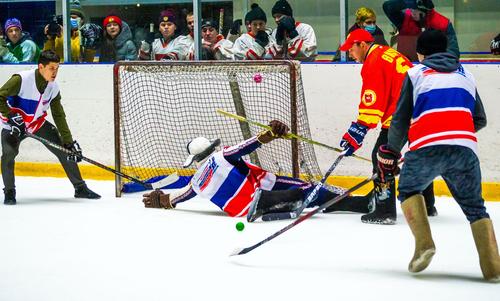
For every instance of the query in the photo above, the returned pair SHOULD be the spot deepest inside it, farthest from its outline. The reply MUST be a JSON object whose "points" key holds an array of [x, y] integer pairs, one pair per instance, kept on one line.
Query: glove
{"points": [[425, 5], [495, 45], [77, 151], [288, 24], [3, 47], [280, 34], [278, 130], [387, 163], [236, 27], [262, 38], [157, 199], [91, 35], [353, 138], [17, 125], [145, 46]]}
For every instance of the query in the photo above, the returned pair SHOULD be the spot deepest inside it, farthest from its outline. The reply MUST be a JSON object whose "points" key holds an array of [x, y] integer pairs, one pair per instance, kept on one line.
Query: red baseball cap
{"points": [[356, 36]]}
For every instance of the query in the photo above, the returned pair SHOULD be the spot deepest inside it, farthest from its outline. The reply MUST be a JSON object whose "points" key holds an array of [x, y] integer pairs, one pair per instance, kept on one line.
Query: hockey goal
{"points": [[161, 106]]}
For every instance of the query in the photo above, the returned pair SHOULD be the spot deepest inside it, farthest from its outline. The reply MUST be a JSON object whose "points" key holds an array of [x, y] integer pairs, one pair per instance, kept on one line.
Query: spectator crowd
{"points": [[113, 40]]}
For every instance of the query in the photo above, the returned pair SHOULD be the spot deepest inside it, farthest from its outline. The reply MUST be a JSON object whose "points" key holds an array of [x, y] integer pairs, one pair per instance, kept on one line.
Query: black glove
{"points": [[236, 27], [288, 24], [150, 37], [262, 38], [425, 5], [77, 151], [91, 35], [280, 34], [387, 163], [17, 125]]}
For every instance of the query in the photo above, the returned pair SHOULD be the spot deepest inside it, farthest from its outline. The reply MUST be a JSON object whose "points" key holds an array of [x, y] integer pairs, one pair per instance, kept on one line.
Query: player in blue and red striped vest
{"points": [[439, 112], [24, 101], [231, 182]]}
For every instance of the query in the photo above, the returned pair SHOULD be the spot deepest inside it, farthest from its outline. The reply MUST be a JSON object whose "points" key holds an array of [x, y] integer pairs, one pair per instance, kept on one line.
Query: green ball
{"points": [[240, 226]]}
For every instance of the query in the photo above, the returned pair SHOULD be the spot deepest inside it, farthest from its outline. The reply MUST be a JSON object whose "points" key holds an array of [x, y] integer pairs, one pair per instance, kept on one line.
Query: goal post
{"points": [[160, 106]]}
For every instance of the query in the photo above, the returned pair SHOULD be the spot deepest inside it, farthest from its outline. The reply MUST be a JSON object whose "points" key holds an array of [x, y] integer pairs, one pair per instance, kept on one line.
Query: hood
{"points": [[24, 36], [442, 62], [124, 36]]}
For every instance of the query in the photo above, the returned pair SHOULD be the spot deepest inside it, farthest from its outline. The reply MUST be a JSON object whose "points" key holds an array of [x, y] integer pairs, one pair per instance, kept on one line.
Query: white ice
{"points": [[54, 247]]}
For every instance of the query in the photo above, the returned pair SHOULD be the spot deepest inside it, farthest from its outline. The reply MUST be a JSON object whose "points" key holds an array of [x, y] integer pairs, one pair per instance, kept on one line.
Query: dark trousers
{"points": [[10, 149], [459, 167]]}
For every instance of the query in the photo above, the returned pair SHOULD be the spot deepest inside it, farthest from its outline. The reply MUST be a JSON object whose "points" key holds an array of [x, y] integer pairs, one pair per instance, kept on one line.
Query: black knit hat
{"points": [[432, 41], [282, 7], [256, 13], [209, 23]]}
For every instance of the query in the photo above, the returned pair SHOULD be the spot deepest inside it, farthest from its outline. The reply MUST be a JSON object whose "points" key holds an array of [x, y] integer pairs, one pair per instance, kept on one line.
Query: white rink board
{"points": [[332, 96]]}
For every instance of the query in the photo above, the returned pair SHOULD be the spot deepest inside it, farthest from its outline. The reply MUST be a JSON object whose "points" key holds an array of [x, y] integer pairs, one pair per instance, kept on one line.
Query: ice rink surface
{"points": [[54, 247]]}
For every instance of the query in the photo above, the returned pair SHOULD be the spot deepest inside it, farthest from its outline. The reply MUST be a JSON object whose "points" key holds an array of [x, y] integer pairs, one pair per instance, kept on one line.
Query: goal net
{"points": [[161, 106]]}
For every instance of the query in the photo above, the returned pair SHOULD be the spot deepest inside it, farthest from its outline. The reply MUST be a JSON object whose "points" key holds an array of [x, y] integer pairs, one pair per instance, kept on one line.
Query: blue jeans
{"points": [[459, 167]]}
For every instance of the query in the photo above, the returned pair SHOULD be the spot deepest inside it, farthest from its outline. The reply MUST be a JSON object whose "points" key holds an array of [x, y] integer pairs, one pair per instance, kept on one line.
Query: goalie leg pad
{"points": [[266, 202]]}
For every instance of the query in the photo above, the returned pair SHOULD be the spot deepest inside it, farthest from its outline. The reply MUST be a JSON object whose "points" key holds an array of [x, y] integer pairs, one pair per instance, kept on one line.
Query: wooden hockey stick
{"points": [[241, 251], [289, 135], [155, 185]]}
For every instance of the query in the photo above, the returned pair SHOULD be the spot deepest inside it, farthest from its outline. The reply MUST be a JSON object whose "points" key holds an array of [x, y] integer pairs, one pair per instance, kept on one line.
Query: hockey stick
{"points": [[289, 135], [241, 251], [310, 197], [163, 182]]}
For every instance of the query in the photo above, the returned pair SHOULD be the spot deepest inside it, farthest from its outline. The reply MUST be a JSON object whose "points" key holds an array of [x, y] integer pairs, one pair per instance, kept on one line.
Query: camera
{"points": [[54, 27]]}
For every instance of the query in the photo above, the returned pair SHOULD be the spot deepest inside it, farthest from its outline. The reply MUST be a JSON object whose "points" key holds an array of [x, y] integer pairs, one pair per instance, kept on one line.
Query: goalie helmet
{"points": [[200, 148]]}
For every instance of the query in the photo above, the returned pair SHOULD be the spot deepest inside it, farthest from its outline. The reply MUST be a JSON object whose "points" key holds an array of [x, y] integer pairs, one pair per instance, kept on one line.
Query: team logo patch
{"points": [[165, 19], [369, 97], [207, 174]]}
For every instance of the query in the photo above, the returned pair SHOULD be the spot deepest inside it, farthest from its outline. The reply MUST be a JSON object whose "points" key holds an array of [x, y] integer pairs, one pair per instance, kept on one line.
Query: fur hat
{"points": [[167, 15], [282, 7], [256, 13], [432, 41]]}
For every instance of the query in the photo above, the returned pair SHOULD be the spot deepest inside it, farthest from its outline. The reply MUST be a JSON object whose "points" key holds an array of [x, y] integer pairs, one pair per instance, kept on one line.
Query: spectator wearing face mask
{"points": [[19, 48], [367, 20], [411, 18], [85, 37]]}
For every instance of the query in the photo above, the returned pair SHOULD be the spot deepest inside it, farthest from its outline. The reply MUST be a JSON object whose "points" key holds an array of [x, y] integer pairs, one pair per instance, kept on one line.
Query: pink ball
{"points": [[257, 78]]}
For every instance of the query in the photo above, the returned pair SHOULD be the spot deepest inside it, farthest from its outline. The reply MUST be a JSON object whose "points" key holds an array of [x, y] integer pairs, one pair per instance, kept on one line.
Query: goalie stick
{"points": [[241, 251], [309, 199], [289, 135], [155, 185]]}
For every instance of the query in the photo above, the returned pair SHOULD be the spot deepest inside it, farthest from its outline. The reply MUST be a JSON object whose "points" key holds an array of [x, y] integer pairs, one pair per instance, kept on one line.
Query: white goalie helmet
{"points": [[200, 148]]}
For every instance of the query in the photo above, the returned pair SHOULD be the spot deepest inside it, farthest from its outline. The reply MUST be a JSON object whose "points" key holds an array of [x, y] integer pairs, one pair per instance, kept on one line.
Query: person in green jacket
{"points": [[24, 101], [19, 47]]}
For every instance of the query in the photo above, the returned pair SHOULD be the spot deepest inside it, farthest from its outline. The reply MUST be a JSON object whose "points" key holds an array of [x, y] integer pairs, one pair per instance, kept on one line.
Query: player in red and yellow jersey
{"points": [[383, 72]]}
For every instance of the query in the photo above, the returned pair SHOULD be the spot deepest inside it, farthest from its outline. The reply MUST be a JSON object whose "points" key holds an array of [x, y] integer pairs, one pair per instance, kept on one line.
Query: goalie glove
{"points": [[278, 130], [157, 199], [76, 150]]}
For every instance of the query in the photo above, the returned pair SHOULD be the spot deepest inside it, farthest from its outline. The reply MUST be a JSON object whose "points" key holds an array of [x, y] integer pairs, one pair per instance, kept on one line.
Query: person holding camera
{"points": [[256, 43], [19, 48], [85, 37]]}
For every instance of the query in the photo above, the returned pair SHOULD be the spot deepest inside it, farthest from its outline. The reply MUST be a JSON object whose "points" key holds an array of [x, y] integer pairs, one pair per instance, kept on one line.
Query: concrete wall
{"points": [[332, 94]]}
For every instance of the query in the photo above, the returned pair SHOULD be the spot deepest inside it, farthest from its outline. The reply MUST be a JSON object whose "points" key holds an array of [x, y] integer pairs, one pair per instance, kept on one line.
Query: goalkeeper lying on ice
{"points": [[240, 188]]}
